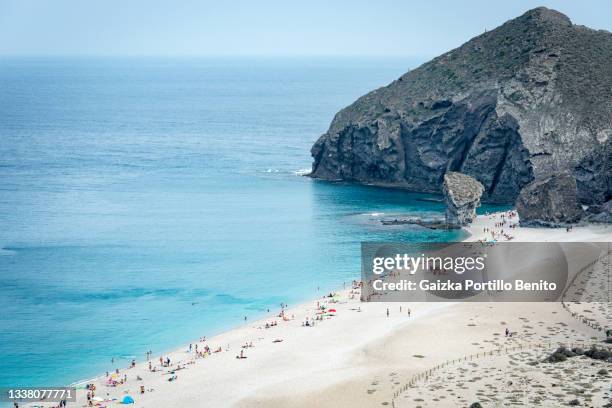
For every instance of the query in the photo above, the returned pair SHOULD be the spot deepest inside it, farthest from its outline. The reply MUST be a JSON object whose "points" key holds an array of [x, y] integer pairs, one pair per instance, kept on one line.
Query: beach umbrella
{"points": [[332, 310], [127, 400]]}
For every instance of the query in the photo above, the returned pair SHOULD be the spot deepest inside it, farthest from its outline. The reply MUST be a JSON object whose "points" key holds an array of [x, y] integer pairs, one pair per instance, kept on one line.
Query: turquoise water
{"points": [[146, 202]]}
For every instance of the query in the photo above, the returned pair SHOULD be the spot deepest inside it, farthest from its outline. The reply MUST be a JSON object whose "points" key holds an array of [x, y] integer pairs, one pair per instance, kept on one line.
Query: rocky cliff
{"points": [[551, 202], [516, 104]]}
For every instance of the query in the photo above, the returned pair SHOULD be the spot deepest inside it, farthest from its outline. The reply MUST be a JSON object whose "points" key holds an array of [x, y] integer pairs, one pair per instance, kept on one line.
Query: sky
{"points": [[263, 28]]}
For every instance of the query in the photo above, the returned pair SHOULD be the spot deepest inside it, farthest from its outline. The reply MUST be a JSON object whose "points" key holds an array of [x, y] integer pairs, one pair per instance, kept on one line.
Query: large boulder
{"points": [[519, 103], [462, 196], [552, 202], [600, 213]]}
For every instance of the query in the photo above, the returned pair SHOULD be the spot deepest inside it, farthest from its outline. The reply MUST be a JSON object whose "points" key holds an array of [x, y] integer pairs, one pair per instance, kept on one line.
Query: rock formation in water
{"points": [[550, 202], [525, 101], [462, 196]]}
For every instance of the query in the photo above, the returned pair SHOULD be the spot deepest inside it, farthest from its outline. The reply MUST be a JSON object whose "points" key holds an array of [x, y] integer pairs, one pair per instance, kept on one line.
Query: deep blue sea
{"points": [[147, 202]]}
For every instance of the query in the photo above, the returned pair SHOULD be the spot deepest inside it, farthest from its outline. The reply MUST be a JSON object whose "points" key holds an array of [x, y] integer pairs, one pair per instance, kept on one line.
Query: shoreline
{"points": [[341, 350], [221, 332], [267, 316]]}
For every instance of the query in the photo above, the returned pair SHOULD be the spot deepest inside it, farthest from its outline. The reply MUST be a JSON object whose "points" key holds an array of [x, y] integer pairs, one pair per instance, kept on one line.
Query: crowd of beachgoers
{"points": [[125, 385]]}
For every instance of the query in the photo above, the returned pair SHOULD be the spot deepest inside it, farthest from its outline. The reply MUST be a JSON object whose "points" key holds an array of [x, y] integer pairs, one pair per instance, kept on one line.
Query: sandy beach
{"points": [[305, 204], [358, 356]]}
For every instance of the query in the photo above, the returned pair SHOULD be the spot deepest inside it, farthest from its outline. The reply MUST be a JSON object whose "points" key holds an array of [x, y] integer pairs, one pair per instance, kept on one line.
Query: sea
{"points": [[146, 202]]}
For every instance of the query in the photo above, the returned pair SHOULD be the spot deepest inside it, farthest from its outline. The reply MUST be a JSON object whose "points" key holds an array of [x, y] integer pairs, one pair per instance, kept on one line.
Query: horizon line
{"points": [[240, 55]]}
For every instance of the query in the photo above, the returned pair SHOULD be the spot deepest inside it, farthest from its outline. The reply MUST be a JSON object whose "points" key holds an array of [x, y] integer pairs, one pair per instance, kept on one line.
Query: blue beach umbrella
{"points": [[127, 400]]}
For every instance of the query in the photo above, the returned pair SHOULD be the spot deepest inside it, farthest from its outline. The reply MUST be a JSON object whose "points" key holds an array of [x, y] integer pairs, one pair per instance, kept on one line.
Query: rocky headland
{"points": [[519, 104]]}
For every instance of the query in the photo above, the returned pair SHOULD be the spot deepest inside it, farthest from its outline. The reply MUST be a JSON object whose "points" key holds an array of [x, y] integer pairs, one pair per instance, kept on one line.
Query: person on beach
{"points": [[387, 312]]}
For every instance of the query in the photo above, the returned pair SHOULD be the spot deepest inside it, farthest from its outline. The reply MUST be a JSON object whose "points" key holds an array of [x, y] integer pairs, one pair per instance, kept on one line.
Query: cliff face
{"points": [[551, 202], [522, 102]]}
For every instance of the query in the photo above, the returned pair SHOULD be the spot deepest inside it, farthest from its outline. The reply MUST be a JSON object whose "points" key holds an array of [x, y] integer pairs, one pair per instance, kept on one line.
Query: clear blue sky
{"points": [[259, 27]]}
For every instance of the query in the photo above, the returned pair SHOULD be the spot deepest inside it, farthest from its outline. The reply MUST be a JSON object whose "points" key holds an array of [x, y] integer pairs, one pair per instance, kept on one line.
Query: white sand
{"points": [[591, 233], [355, 358]]}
